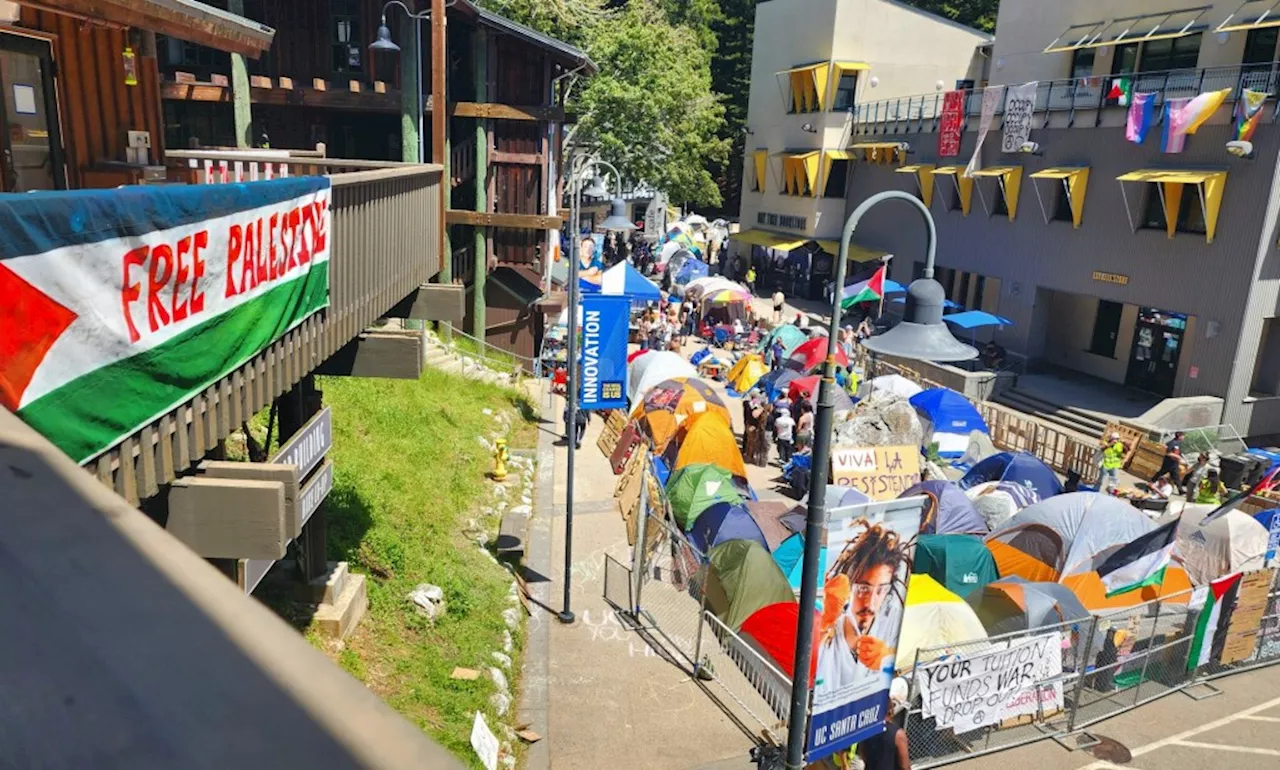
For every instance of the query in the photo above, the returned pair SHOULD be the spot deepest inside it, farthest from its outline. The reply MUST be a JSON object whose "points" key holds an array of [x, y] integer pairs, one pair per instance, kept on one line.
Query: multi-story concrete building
{"points": [[1123, 266], [812, 61]]}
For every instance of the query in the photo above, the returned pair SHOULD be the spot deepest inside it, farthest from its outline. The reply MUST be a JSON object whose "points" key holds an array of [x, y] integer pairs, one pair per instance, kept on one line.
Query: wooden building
{"points": [[85, 80], [321, 83]]}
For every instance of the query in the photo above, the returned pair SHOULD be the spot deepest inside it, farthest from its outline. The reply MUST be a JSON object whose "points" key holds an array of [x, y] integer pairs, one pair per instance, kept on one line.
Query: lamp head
{"points": [[922, 335], [596, 189], [384, 41], [618, 219]]}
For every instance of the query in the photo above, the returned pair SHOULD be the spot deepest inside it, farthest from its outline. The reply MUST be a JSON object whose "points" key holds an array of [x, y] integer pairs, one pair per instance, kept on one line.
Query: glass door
{"points": [[30, 144], [1157, 344]]}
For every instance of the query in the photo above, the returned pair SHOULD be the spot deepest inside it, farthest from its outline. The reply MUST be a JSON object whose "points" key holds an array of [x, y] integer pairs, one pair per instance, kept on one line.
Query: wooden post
{"points": [[293, 410], [410, 91], [240, 91], [439, 140], [482, 174]]}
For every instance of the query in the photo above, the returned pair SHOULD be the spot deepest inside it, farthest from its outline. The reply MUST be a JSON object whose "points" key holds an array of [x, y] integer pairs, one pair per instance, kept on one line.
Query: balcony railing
{"points": [[921, 113], [386, 235]]}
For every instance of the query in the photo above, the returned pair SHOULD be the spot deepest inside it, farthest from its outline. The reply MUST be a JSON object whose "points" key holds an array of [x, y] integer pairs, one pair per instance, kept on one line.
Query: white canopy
{"points": [[896, 383], [652, 368]]}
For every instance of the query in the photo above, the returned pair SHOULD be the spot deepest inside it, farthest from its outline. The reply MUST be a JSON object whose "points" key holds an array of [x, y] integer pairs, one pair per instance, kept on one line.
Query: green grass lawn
{"points": [[409, 472]]}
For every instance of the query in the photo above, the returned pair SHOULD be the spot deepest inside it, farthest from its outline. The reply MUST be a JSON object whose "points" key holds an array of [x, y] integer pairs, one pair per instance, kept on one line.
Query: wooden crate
{"points": [[1146, 459], [625, 447], [614, 423], [1132, 438]]}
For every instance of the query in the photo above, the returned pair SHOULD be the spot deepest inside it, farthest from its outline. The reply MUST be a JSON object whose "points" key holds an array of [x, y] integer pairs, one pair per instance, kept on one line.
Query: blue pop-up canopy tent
{"points": [[976, 319], [952, 418], [623, 280], [691, 269]]}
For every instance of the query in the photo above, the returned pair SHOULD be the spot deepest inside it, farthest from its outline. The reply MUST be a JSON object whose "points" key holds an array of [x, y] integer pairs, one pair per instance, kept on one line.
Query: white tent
{"points": [[896, 383], [652, 368], [1235, 542]]}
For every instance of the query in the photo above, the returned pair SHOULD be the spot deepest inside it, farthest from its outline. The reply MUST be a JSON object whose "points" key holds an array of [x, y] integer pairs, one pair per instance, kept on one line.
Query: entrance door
{"points": [[1157, 343], [30, 144]]}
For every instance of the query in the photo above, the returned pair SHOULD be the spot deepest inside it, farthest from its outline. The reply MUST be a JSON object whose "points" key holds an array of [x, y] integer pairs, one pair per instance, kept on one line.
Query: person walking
{"points": [[779, 300], [1112, 460], [784, 435], [804, 426], [889, 750], [1171, 466]]}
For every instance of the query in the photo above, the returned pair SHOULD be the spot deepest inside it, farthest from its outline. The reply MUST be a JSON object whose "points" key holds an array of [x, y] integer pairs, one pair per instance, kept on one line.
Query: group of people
{"points": [[786, 425], [1201, 483]]}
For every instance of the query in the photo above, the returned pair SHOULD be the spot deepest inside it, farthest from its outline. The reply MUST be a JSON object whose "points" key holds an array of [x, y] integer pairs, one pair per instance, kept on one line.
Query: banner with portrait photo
{"points": [[869, 551]]}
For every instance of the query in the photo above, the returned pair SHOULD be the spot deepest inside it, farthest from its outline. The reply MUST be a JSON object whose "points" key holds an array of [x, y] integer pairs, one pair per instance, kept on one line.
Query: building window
{"points": [[837, 179], [345, 39], [762, 218], [846, 90], [1190, 212], [1170, 54], [1106, 328], [1062, 206], [1260, 46], [1082, 63], [999, 206], [1266, 368], [1125, 59]]}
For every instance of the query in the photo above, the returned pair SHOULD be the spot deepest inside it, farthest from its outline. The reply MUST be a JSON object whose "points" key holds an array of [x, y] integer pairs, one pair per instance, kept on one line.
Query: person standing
{"points": [[804, 426], [751, 278], [889, 750], [1191, 482], [784, 434], [1211, 490], [1171, 466], [779, 354], [1112, 460], [779, 300]]}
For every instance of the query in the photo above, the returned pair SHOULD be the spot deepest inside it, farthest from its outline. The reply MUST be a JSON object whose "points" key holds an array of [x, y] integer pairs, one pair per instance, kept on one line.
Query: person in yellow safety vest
{"points": [[1211, 490], [1112, 461]]}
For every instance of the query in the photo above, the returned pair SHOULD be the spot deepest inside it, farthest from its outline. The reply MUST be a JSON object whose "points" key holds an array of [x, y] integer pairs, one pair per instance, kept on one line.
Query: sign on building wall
{"points": [[1019, 109], [119, 305], [1116, 278], [991, 97]]}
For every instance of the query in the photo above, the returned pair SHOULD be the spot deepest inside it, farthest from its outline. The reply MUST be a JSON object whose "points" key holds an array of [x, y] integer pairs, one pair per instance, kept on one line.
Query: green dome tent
{"points": [[696, 487], [743, 578], [961, 563]]}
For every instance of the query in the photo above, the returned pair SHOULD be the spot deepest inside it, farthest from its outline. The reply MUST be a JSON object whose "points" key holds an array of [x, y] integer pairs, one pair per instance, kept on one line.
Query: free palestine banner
{"points": [[121, 304]]}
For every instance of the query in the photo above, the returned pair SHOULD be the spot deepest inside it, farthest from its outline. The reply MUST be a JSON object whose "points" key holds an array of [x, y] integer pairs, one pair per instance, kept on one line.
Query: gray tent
{"points": [[1014, 604], [1072, 533]]}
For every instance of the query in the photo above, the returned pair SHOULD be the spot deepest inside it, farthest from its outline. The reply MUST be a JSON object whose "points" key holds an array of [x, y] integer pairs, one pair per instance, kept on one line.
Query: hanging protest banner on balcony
{"points": [[1006, 680], [121, 304], [990, 101], [951, 124], [1019, 109]]}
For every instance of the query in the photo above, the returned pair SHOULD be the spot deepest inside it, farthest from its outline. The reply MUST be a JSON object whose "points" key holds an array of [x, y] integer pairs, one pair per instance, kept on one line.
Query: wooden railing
{"points": [[229, 167], [386, 227]]}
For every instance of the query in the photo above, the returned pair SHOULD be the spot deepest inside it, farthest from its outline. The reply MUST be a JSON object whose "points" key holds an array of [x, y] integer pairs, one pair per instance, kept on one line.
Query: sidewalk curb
{"points": [[534, 705]]}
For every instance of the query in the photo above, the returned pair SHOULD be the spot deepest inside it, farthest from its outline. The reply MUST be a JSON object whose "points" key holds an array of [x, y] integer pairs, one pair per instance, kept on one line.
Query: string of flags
{"points": [[1183, 116]]}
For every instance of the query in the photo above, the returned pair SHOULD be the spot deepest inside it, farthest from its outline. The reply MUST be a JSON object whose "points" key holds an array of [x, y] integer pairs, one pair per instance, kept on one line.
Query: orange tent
{"points": [[670, 403], [1011, 562], [708, 439], [1088, 587]]}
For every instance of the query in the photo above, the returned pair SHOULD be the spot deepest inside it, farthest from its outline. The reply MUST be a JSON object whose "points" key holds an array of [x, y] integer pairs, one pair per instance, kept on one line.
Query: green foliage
{"points": [[650, 110], [731, 76], [979, 14]]}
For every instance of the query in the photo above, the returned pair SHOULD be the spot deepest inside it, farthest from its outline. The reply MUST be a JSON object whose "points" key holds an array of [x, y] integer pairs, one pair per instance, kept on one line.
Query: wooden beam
{"points": [[306, 97], [386, 353], [495, 219], [507, 112], [432, 302], [228, 518], [173, 19], [517, 158]]}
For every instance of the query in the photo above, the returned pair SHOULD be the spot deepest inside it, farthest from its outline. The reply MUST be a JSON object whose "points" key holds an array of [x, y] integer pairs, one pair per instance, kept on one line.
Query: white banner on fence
{"points": [[990, 100], [1019, 108], [1000, 683]]}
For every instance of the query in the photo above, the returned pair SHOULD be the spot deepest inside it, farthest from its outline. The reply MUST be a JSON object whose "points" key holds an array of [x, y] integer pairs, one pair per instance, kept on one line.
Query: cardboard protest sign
{"points": [[881, 472], [1002, 682]]}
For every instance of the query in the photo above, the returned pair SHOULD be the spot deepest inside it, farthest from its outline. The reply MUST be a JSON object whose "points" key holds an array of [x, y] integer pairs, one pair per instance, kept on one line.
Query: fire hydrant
{"points": [[500, 458]]}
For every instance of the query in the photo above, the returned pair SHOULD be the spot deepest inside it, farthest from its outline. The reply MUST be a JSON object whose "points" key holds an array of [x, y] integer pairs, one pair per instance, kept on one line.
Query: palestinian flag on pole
{"points": [[1219, 598], [870, 290], [1141, 562], [116, 306]]}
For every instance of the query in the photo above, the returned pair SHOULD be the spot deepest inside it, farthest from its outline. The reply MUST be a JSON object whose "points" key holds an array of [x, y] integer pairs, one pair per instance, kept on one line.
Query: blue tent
{"points": [[952, 416], [1022, 468], [949, 511], [691, 269], [700, 355], [775, 383], [624, 280], [976, 319], [722, 522]]}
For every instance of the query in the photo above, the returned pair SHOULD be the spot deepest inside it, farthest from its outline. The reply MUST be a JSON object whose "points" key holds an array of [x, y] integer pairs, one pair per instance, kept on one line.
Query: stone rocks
{"points": [[499, 679], [502, 659], [501, 703], [428, 601], [511, 616]]}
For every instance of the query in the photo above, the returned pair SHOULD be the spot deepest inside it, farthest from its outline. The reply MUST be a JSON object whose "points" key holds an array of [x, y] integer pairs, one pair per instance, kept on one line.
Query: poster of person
{"points": [[591, 259], [869, 549]]}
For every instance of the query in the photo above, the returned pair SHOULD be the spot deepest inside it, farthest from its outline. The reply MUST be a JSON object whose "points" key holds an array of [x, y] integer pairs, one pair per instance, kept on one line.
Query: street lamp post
{"points": [[920, 295], [385, 43], [577, 167]]}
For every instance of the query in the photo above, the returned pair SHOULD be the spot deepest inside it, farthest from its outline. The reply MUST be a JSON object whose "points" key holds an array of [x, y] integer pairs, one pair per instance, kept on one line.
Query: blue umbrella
{"points": [[946, 303], [976, 319]]}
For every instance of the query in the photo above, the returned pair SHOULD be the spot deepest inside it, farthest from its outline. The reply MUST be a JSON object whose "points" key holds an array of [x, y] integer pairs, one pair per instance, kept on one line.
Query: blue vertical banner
{"points": [[604, 351]]}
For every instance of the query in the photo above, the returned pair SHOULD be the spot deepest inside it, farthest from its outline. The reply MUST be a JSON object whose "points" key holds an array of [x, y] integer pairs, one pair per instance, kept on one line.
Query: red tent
{"points": [[811, 354], [773, 628], [633, 356], [803, 388]]}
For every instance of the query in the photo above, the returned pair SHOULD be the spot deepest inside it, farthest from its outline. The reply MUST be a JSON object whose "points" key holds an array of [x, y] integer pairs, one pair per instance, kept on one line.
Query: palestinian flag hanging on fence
{"points": [[1121, 91], [1140, 563], [1210, 628], [118, 305], [870, 290]]}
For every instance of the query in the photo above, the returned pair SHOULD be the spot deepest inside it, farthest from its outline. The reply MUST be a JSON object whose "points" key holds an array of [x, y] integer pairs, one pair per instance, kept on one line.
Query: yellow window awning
{"points": [[923, 173], [829, 157], [1158, 25], [800, 172], [1010, 180], [1075, 181], [856, 253], [760, 159], [963, 186], [810, 84], [1210, 184], [1252, 14], [770, 240], [882, 152]]}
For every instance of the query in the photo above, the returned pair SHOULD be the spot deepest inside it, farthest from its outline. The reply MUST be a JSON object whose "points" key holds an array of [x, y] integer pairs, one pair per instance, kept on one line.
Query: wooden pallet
{"points": [[1146, 459], [614, 423], [1132, 438]]}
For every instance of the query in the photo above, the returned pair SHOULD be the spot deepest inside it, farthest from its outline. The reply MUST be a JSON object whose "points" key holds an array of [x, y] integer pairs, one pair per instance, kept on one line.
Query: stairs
{"points": [[440, 356], [1068, 417]]}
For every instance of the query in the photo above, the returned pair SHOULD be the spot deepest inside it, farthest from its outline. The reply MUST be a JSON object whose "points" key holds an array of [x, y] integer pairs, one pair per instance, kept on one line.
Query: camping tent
{"points": [[1020, 468], [624, 280], [961, 563], [951, 418], [896, 383], [742, 579], [1064, 535], [803, 388], [669, 404], [768, 515], [1234, 542], [707, 438], [1014, 604], [998, 501], [810, 355], [652, 369], [723, 522], [690, 269], [775, 383], [934, 622], [790, 335], [948, 511], [746, 373], [693, 489], [772, 629]]}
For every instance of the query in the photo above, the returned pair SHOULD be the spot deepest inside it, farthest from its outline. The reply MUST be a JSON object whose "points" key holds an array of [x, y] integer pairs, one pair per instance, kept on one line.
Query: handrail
{"points": [[502, 360], [920, 113], [325, 162]]}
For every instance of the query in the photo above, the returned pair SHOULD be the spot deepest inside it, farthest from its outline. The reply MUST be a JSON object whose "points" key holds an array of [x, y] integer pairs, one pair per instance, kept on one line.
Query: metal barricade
{"points": [[752, 681], [670, 583]]}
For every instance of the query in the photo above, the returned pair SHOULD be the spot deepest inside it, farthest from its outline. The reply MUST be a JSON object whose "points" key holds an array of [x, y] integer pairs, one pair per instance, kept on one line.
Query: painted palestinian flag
{"points": [[1210, 630], [1140, 563], [118, 305], [870, 290]]}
